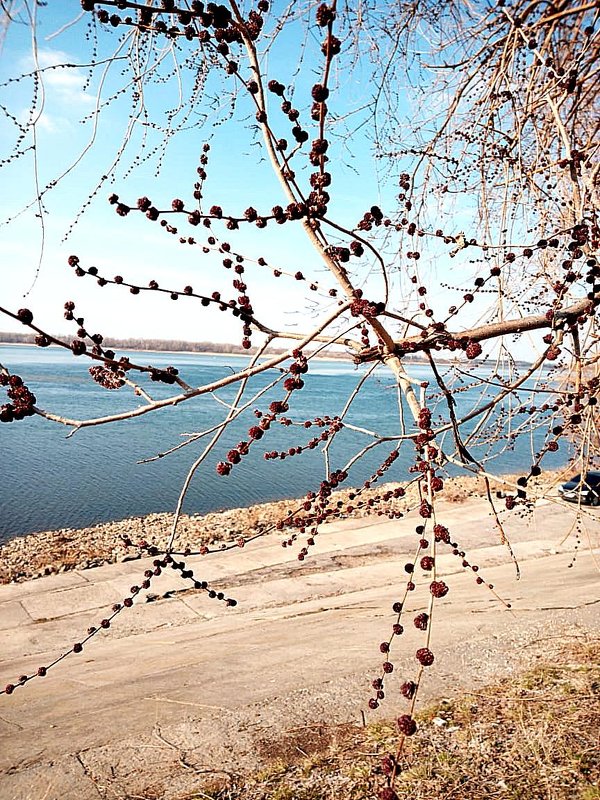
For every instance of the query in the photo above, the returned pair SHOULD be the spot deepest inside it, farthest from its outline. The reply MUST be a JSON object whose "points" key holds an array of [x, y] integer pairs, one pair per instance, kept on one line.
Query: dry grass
{"points": [[532, 737]]}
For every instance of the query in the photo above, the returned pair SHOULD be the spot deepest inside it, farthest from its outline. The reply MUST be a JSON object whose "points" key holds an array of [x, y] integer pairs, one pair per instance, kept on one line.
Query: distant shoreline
{"points": [[165, 346], [124, 344], [214, 353]]}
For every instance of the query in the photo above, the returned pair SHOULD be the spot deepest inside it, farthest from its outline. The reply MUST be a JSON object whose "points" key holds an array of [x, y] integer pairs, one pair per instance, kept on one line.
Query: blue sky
{"points": [[238, 176], [133, 247]]}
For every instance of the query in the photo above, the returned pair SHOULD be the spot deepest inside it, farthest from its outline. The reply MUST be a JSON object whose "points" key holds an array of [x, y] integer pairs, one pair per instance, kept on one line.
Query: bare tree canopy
{"points": [[409, 183]]}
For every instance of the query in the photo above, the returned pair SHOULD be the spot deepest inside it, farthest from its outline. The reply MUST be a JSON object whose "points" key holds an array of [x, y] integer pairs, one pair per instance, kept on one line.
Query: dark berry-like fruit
{"points": [[388, 793], [425, 656], [438, 588], [25, 316], [406, 725], [408, 689], [421, 621], [473, 350]]}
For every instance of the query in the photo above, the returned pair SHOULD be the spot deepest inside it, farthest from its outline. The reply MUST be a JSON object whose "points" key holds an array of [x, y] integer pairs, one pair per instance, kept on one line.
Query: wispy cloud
{"points": [[49, 123], [65, 86]]}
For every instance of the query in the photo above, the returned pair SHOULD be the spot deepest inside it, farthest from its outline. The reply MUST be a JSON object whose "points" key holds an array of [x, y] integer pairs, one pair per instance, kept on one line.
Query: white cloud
{"points": [[49, 123], [65, 80], [63, 84], [51, 58], [46, 122]]}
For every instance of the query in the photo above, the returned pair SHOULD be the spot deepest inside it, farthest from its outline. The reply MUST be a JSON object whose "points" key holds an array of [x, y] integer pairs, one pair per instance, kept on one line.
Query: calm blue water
{"points": [[48, 481]]}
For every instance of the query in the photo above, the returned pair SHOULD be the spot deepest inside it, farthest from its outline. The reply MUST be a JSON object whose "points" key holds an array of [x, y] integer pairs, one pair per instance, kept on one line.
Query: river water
{"points": [[49, 481]]}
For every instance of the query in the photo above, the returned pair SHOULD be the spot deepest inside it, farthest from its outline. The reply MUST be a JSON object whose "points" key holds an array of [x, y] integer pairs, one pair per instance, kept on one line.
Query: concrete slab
{"points": [[63, 580], [13, 615], [68, 601], [301, 646]]}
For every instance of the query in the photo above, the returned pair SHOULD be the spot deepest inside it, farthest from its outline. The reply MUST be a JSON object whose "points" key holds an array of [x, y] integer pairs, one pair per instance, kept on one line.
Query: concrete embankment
{"points": [[181, 686]]}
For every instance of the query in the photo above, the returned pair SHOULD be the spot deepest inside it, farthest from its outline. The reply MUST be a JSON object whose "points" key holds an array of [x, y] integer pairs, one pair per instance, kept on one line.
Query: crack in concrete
{"points": [[558, 608], [20, 602], [24, 764], [195, 611], [187, 703], [88, 774], [10, 722]]}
